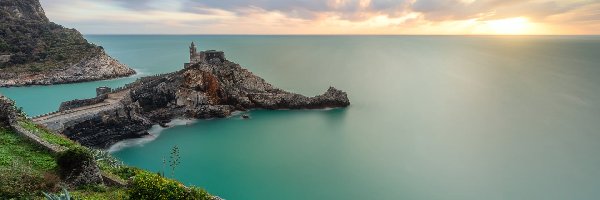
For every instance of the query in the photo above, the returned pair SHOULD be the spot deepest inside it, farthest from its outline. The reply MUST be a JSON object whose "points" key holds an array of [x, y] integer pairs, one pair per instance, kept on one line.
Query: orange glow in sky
{"points": [[432, 17]]}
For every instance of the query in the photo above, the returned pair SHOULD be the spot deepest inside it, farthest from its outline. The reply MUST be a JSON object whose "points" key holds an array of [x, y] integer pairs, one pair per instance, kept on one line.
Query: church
{"points": [[203, 56]]}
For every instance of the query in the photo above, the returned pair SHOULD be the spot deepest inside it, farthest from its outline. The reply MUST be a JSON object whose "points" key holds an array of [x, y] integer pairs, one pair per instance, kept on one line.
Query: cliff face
{"points": [[23, 10], [201, 91], [35, 51]]}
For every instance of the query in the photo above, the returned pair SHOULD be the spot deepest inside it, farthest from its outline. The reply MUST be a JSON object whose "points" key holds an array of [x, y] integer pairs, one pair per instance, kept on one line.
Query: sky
{"points": [[414, 17]]}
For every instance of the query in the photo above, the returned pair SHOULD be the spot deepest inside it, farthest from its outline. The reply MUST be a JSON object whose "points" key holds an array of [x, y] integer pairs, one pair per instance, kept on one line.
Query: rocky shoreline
{"points": [[36, 51], [201, 91], [98, 67]]}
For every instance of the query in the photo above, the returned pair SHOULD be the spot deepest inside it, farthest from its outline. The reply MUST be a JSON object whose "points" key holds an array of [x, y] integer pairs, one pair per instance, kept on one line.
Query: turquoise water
{"points": [[432, 117]]}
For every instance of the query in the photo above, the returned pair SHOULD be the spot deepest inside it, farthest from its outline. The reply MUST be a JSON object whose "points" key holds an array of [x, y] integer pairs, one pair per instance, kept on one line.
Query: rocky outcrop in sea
{"points": [[201, 91], [99, 66]]}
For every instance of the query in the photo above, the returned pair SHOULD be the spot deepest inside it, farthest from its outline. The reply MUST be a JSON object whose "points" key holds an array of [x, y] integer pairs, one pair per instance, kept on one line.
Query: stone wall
{"points": [[7, 111], [4, 58], [67, 105], [9, 116]]}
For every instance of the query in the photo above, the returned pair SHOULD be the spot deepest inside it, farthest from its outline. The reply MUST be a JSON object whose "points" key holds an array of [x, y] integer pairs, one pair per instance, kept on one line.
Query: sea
{"points": [[432, 117]]}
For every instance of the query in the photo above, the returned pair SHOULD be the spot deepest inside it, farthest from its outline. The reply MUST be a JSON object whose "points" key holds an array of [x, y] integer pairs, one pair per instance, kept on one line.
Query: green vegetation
{"points": [[126, 172], [174, 160], [106, 161], [24, 167], [73, 159], [40, 45], [146, 185], [100, 193], [48, 135], [37, 44], [26, 171], [14, 150], [29, 171], [62, 196]]}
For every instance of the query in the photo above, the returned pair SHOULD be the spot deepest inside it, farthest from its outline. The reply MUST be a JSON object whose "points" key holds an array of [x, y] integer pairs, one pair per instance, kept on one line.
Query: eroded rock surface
{"points": [[204, 90]]}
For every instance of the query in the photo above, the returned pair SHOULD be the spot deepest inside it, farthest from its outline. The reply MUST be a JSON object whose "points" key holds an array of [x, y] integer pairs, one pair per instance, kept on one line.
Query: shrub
{"points": [[200, 193], [62, 196], [21, 182], [146, 185], [105, 160], [126, 172], [73, 159]]}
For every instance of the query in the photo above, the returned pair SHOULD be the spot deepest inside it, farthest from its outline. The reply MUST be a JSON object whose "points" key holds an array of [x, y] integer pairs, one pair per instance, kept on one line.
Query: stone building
{"points": [[103, 90], [203, 56]]}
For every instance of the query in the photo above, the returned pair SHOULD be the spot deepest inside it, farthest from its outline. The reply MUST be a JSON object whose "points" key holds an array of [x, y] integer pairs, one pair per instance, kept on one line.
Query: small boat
{"points": [[245, 117]]}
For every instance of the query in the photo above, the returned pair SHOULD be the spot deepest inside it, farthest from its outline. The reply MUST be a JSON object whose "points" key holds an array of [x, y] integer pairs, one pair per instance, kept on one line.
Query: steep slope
{"points": [[35, 51]]}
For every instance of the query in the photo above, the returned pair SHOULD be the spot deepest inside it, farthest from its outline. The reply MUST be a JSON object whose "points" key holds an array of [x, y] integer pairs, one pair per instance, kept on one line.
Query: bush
{"points": [[126, 172], [73, 158], [147, 185], [200, 193], [22, 182], [62, 196], [106, 161]]}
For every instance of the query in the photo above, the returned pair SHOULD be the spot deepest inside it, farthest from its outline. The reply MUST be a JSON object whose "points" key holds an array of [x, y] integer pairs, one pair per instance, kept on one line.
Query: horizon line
{"points": [[226, 34]]}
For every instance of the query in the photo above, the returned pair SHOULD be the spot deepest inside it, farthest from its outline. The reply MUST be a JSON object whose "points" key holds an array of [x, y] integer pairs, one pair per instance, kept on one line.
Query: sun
{"points": [[511, 26]]}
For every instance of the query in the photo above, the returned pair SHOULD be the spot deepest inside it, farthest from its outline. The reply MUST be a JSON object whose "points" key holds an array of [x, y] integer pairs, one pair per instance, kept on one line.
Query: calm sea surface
{"points": [[432, 117]]}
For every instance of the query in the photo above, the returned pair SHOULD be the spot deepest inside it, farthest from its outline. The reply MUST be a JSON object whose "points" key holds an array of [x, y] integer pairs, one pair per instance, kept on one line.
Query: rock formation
{"points": [[35, 51], [203, 90], [8, 112]]}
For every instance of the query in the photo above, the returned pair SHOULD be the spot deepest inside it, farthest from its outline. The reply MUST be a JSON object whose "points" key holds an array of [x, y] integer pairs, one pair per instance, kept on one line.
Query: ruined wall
{"points": [[8, 112], [67, 105]]}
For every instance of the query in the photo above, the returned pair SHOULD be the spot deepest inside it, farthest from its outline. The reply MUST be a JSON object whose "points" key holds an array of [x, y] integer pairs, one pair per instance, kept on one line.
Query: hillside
{"points": [[35, 51], [34, 160]]}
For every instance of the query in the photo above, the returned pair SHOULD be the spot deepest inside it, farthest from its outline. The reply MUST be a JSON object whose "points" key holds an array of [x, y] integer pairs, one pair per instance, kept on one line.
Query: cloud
{"points": [[440, 10], [135, 4], [307, 9], [318, 16]]}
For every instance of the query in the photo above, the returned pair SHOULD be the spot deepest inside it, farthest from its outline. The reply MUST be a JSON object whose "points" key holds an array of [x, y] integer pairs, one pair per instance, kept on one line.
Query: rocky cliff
{"points": [[35, 51], [204, 90]]}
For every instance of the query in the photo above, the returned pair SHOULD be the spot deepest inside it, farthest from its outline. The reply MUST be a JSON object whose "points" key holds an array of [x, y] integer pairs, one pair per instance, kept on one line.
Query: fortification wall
{"points": [[59, 123], [77, 103]]}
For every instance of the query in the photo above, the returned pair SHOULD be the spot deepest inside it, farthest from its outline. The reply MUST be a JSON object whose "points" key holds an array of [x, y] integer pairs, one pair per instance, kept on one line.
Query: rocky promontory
{"points": [[35, 51], [204, 90]]}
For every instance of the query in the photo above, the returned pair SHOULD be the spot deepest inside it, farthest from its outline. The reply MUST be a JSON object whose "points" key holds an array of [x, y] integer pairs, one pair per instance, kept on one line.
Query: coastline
{"points": [[153, 133], [157, 130], [99, 67]]}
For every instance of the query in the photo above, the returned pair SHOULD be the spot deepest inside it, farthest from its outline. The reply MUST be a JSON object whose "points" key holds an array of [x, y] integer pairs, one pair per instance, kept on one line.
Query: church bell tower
{"points": [[192, 51]]}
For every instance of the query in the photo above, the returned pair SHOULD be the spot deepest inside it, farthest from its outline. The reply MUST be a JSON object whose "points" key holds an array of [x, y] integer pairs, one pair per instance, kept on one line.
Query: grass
{"points": [[14, 149], [100, 193], [24, 166], [27, 170], [47, 135]]}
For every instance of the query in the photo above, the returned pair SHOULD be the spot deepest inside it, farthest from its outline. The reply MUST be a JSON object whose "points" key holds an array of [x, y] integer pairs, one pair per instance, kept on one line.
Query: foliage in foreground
{"points": [[48, 135], [73, 159], [147, 185], [62, 196], [24, 168], [22, 182]]}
